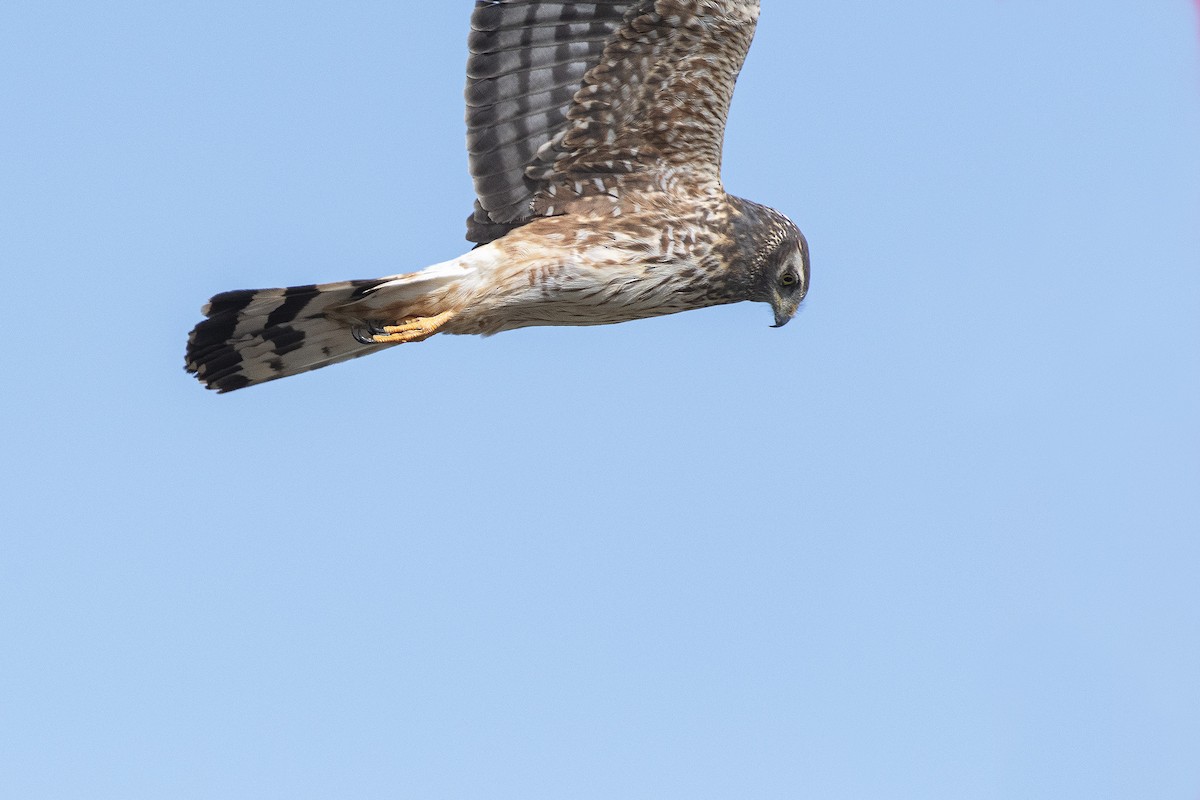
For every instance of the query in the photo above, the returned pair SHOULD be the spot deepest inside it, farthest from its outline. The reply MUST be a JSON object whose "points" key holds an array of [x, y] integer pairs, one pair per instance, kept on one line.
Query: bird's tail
{"points": [[257, 335]]}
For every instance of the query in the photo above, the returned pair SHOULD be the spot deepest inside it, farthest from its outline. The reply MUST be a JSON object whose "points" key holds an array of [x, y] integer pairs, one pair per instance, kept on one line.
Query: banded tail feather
{"points": [[257, 335]]}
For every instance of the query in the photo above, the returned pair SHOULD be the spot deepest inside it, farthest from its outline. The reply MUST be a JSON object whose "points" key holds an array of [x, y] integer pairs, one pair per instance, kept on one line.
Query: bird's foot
{"points": [[412, 329]]}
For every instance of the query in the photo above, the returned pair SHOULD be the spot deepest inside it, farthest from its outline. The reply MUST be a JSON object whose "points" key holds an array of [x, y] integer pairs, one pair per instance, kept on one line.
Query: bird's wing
{"points": [[528, 59], [580, 96]]}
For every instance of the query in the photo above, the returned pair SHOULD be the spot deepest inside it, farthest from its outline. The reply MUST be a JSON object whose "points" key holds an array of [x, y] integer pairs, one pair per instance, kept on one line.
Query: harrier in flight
{"points": [[594, 131]]}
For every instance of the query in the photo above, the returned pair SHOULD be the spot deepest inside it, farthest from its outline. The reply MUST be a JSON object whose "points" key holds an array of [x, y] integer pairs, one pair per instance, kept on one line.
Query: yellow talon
{"points": [[416, 329]]}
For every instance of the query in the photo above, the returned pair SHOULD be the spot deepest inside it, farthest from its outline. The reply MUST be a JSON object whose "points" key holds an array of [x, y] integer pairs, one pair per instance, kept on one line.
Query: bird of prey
{"points": [[594, 132]]}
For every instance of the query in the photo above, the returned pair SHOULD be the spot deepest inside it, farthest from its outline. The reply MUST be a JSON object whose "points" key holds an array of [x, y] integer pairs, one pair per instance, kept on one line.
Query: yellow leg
{"points": [[416, 329]]}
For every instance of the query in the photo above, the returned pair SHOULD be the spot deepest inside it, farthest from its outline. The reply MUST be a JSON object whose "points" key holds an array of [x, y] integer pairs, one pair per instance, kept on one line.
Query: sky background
{"points": [[938, 538]]}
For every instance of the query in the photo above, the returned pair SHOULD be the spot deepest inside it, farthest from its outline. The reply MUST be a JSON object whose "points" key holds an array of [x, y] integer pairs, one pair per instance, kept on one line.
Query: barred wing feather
{"points": [[528, 59], [571, 98]]}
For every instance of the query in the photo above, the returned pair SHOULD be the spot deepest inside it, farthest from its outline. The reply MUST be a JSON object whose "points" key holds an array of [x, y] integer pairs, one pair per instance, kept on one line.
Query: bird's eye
{"points": [[789, 278]]}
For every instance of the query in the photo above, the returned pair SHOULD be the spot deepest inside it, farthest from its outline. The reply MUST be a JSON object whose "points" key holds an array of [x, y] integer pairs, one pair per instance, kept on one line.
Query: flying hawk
{"points": [[594, 131]]}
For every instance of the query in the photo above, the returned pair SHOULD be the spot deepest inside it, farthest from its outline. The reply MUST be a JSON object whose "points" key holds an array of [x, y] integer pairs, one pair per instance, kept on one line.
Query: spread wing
{"points": [[571, 97]]}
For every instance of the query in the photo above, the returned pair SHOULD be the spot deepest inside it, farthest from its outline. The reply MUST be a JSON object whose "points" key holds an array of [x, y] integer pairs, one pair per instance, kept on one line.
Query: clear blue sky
{"points": [[938, 538]]}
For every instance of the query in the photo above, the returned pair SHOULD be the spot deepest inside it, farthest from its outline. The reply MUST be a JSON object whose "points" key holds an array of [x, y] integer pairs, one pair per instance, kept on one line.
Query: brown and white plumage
{"points": [[594, 134]]}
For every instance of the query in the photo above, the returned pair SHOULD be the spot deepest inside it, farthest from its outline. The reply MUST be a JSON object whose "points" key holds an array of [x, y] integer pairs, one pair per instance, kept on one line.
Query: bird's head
{"points": [[785, 276], [771, 261]]}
